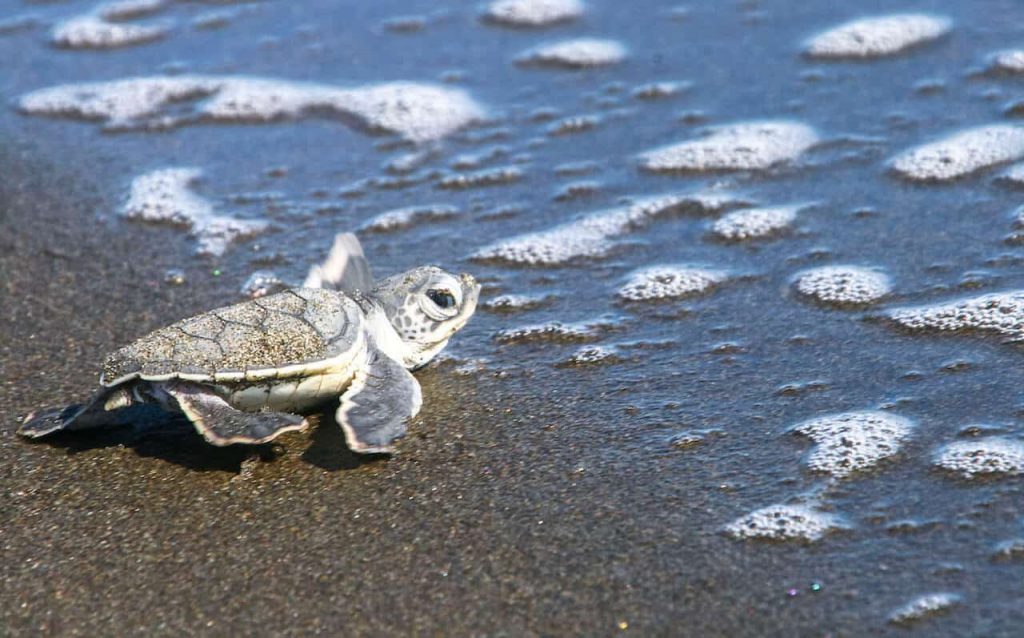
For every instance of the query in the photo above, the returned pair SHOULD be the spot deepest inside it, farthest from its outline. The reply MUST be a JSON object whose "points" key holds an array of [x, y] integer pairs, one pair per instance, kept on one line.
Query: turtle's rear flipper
{"points": [[221, 424], [48, 421], [92, 414]]}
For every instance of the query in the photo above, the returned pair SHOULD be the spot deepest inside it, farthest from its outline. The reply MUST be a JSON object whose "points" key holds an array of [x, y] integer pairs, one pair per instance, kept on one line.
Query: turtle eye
{"points": [[441, 298]]}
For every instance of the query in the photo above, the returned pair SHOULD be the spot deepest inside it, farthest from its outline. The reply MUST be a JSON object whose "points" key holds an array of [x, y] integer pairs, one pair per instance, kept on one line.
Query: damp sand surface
{"points": [[544, 488]]}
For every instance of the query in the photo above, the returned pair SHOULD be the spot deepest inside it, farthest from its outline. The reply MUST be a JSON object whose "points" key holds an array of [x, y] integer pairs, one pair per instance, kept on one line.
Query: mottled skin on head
{"points": [[424, 306]]}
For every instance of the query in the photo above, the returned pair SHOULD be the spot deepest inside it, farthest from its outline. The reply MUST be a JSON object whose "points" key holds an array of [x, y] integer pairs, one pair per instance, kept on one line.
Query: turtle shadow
{"points": [[328, 451], [153, 433]]}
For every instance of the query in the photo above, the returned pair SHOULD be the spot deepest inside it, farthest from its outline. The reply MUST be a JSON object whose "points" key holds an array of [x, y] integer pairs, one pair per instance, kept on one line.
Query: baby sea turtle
{"points": [[241, 373]]}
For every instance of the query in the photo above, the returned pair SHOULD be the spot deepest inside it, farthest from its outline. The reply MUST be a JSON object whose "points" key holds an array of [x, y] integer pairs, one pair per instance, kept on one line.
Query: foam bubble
{"points": [[1010, 61], [418, 112], [669, 282], [533, 13], [486, 177], [590, 236], [878, 36], [593, 354], [785, 523], [1012, 176], [19, 23], [986, 456], [516, 303], [129, 9], [659, 90], [580, 53], [998, 312], [741, 146], [853, 441], [94, 32], [570, 125], [404, 217], [754, 223], [165, 196], [577, 190], [553, 331], [961, 153], [924, 607], [1011, 550], [843, 285], [209, 20]]}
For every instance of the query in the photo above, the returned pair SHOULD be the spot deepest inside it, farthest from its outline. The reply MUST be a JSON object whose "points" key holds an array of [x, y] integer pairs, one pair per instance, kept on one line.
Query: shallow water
{"points": [[544, 488]]}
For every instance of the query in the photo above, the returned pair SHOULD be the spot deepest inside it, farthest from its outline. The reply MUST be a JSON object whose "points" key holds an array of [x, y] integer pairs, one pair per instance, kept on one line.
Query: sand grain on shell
{"points": [[878, 36], [742, 146], [961, 153], [419, 112], [165, 196], [533, 13]]}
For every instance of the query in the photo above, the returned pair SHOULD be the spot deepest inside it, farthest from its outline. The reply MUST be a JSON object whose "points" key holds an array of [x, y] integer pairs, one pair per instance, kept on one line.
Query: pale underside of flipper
{"points": [[345, 268], [221, 424], [375, 409]]}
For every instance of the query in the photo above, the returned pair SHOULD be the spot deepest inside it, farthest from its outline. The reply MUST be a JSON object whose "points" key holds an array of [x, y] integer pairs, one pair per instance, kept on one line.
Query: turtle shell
{"points": [[295, 333]]}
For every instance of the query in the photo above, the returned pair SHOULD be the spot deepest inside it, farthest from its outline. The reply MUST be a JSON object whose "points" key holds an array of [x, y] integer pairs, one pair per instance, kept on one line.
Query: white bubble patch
{"points": [[1009, 61], [1002, 313], [755, 223], [986, 456], [578, 54], [741, 146], [843, 285], [878, 36], [516, 303], [533, 13], [853, 441], [591, 236], [961, 153], [165, 196], [670, 282], [923, 607], [1012, 176], [93, 31], [418, 112], [553, 331], [785, 523], [393, 220]]}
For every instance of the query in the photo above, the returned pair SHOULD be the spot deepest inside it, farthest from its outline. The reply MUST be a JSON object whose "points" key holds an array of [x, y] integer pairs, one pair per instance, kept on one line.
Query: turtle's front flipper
{"points": [[221, 424], [91, 414], [382, 397], [344, 269]]}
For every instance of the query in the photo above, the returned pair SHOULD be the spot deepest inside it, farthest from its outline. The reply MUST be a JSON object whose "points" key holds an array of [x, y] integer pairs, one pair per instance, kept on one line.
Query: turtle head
{"points": [[425, 306]]}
